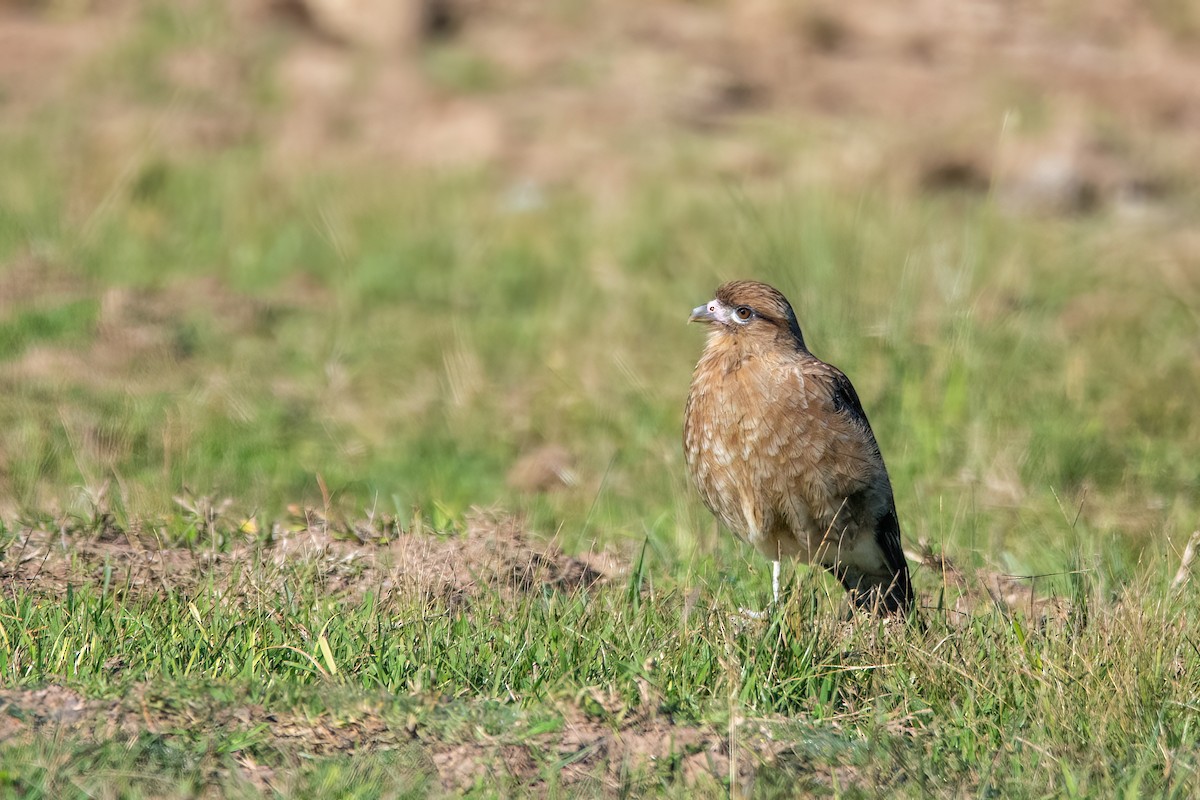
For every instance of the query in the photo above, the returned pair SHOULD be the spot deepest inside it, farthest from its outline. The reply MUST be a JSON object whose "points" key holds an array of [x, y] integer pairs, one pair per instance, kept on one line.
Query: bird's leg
{"points": [[765, 613]]}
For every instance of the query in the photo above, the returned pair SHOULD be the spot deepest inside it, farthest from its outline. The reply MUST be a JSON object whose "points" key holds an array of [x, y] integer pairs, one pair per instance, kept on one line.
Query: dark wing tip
{"points": [[899, 594]]}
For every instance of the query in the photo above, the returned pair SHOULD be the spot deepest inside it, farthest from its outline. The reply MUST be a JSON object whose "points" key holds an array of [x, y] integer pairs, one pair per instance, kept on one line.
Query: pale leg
{"points": [[749, 614]]}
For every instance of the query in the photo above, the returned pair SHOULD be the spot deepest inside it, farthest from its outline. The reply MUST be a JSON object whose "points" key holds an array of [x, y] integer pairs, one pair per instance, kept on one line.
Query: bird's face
{"points": [[714, 312], [748, 309]]}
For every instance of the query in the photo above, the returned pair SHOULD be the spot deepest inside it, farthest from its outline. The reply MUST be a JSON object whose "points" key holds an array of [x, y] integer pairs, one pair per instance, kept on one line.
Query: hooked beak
{"points": [[707, 313]]}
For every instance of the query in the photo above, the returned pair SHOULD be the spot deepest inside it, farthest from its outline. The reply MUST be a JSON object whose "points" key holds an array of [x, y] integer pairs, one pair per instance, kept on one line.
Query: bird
{"points": [[779, 447]]}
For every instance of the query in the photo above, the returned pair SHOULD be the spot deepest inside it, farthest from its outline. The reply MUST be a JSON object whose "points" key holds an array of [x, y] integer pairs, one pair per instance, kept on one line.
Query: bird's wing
{"points": [[887, 537], [844, 475], [853, 419], [847, 405], [832, 428]]}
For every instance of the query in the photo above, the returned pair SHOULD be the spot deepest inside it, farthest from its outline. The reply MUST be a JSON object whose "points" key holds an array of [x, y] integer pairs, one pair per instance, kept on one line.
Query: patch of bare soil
{"points": [[543, 469], [29, 281], [137, 330], [1055, 110], [967, 593], [604, 759], [582, 754], [1052, 109], [39, 55], [495, 552]]}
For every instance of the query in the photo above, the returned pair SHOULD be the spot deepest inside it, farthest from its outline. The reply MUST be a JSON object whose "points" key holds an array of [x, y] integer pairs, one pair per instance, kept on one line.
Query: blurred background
{"points": [[376, 256]]}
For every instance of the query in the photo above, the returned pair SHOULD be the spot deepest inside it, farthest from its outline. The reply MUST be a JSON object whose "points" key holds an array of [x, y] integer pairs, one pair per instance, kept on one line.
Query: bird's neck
{"points": [[736, 347]]}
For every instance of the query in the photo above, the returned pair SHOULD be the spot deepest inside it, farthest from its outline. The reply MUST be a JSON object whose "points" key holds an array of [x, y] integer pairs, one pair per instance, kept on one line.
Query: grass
{"points": [[200, 324], [227, 667]]}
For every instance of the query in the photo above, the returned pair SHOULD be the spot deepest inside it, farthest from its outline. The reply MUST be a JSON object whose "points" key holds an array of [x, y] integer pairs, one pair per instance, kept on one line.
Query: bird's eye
{"points": [[744, 312]]}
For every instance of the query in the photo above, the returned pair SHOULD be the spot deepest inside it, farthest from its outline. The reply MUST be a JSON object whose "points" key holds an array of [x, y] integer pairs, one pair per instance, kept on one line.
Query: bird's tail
{"points": [[879, 594], [890, 591]]}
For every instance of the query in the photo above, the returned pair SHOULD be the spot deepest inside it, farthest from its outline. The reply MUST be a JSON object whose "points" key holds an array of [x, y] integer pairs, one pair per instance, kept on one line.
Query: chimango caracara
{"points": [[779, 446]]}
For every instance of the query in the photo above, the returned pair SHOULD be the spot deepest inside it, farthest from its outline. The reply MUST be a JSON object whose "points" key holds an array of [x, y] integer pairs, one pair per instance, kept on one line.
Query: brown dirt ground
{"points": [[968, 593], [589, 754], [136, 329], [493, 553], [1060, 107]]}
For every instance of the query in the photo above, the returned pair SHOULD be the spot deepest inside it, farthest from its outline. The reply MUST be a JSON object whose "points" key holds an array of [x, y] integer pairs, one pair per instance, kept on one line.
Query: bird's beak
{"points": [[706, 313]]}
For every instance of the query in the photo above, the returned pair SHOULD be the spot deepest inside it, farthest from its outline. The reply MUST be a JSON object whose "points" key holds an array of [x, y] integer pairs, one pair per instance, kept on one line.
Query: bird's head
{"points": [[749, 309]]}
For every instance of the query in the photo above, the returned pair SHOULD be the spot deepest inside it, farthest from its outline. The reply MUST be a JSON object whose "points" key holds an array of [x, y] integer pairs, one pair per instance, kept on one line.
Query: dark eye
{"points": [[744, 312]]}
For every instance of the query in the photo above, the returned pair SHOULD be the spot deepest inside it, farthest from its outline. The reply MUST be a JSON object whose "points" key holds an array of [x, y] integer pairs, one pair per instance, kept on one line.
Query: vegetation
{"points": [[357, 357]]}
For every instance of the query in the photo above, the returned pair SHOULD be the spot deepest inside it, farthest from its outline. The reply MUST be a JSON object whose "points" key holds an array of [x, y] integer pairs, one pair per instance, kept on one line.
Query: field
{"points": [[341, 384]]}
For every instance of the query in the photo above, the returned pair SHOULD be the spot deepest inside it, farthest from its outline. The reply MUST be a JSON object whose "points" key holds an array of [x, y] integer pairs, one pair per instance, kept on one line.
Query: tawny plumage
{"points": [[779, 446]]}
